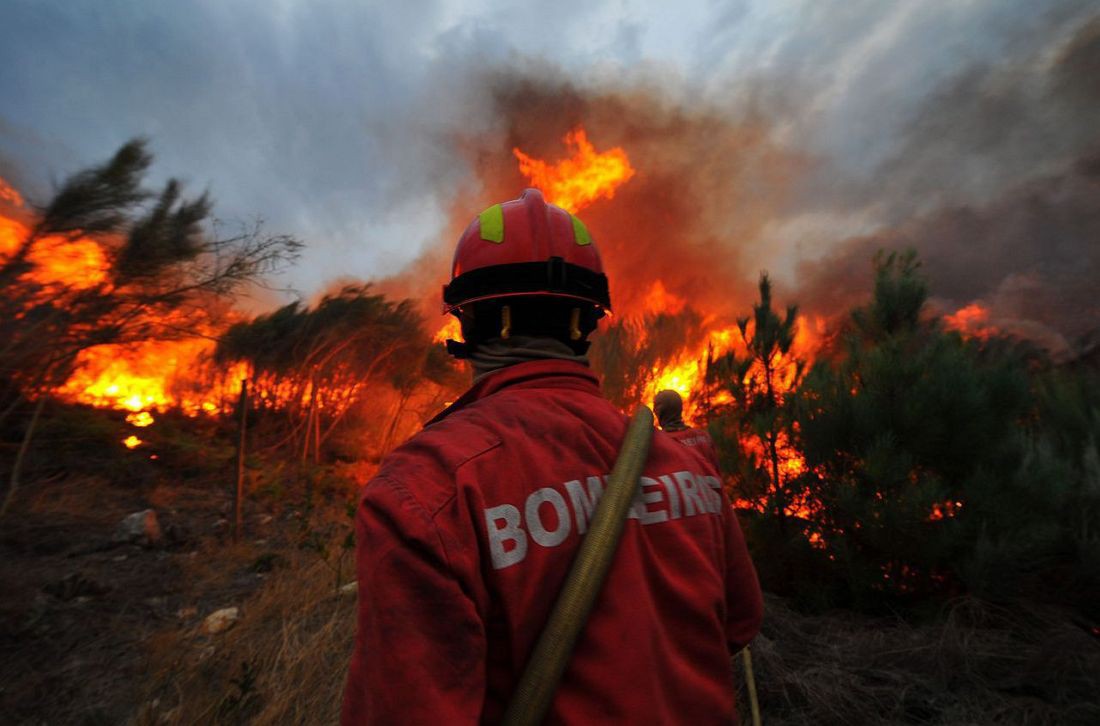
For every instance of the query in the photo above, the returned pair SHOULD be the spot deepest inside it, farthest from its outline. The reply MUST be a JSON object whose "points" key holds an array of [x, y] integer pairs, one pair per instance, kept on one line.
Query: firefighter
{"points": [[467, 531], [669, 408]]}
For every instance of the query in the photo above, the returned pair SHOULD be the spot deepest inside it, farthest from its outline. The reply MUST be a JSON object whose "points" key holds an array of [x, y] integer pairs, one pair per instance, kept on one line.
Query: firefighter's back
{"points": [[527, 462]]}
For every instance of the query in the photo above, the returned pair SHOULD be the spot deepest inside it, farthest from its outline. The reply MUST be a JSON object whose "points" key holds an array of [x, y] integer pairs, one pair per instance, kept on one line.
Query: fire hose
{"points": [[532, 697], [546, 665]]}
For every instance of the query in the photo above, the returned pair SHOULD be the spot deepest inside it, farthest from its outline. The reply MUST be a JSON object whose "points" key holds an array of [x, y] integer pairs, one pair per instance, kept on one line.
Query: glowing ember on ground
{"points": [[584, 177], [944, 510], [77, 264], [132, 442], [140, 419]]}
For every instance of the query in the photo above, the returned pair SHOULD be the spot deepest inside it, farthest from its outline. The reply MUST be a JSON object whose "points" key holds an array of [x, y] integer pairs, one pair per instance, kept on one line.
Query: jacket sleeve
{"points": [[420, 647], [744, 600]]}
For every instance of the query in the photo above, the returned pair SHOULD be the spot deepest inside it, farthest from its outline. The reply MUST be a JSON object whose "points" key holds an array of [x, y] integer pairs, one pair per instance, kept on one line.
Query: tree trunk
{"points": [[773, 450], [13, 483]]}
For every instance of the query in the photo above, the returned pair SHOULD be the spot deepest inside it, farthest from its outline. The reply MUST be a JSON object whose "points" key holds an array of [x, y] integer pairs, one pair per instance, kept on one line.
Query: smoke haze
{"points": [[797, 137]]}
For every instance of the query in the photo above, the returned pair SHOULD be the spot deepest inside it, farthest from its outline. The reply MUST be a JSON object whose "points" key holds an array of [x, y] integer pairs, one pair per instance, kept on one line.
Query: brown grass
{"points": [[283, 663], [980, 664]]}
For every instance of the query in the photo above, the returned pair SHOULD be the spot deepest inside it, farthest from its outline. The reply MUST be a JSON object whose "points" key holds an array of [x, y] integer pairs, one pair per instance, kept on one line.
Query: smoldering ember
{"points": [[859, 244]]}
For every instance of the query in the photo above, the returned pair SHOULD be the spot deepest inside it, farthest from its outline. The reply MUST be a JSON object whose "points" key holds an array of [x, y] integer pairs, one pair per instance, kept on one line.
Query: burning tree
{"points": [[315, 364], [108, 262], [912, 439], [148, 271], [631, 353], [751, 410]]}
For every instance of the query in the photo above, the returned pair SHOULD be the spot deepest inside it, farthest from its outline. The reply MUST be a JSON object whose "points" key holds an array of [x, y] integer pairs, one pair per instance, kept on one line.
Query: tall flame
{"points": [[571, 183], [581, 179]]}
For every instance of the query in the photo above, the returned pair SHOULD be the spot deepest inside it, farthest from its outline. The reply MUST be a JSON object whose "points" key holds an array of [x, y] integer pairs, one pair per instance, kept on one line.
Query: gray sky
{"points": [[336, 121]]}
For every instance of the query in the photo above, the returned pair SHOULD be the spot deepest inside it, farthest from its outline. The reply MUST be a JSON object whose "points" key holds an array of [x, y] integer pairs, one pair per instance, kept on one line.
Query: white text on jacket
{"points": [[549, 515]]}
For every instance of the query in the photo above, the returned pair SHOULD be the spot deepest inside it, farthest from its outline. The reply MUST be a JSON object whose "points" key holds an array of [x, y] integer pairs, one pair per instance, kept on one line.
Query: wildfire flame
{"points": [[77, 264], [972, 321], [9, 195], [451, 330], [142, 377], [140, 419], [685, 374], [138, 378], [132, 442], [581, 179]]}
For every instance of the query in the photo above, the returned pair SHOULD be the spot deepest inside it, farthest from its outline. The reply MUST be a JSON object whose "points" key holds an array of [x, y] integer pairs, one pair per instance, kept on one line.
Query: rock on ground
{"points": [[141, 527], [220, 620]]}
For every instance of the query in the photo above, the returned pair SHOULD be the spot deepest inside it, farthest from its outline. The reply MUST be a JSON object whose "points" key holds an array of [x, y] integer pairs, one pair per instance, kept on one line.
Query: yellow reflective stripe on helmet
{"points": [[492, 224], [580, 232]]}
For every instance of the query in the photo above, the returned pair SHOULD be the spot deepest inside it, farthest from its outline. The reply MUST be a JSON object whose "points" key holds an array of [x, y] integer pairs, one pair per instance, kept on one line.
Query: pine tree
{"points": [[751, 410], [904, 436]]}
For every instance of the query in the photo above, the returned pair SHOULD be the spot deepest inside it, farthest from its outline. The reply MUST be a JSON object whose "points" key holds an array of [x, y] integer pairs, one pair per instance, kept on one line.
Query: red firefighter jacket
{"points": [[699, 440], [465, 537]]}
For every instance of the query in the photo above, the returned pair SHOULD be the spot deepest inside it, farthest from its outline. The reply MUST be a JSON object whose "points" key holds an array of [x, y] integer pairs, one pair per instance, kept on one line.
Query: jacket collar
{"points": [[532, 374]]}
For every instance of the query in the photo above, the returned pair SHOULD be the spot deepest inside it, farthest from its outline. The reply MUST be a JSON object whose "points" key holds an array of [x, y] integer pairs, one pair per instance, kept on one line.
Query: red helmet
{"points": [[526, 247]]}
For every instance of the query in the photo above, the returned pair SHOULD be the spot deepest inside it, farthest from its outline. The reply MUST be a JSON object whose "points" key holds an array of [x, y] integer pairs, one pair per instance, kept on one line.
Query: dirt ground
{"points": [[94, 631], [80, 613]]}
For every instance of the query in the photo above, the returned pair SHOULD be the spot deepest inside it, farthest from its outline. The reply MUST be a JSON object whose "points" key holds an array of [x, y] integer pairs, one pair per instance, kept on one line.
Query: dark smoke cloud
{"points": [[993, 181], [706, 182], [792, 135], [1003, 163]]}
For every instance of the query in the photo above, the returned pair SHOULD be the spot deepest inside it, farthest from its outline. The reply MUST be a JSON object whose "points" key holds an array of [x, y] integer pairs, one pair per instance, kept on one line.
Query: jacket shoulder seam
{"points": [[454, 474]]}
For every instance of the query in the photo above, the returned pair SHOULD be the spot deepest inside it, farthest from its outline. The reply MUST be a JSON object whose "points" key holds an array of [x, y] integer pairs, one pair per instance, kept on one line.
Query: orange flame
{"points": [[9, 195], [944, 510], [685, 373], [143, 377], [78, 263], [971, 321], [132, 442], [451, 330], [139, 378], [584, 177], [571, 183], [140, 419]]}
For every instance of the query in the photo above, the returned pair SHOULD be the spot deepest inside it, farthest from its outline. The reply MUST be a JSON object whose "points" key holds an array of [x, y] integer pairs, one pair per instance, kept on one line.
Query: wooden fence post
{"points": [[238, 499]]}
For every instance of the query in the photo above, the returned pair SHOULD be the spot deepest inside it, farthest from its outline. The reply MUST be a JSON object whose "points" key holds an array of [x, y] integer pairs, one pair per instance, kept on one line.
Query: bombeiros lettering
{"points": [[550, 514]]}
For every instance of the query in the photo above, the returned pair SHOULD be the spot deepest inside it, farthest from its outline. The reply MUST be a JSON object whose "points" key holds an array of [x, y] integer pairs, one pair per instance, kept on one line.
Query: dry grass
{"points": [[980, 664], [283, 663]]}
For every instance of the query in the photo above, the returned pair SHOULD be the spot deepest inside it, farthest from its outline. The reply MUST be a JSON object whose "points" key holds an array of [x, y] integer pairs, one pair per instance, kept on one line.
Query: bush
{"points": [[934, 465]]}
